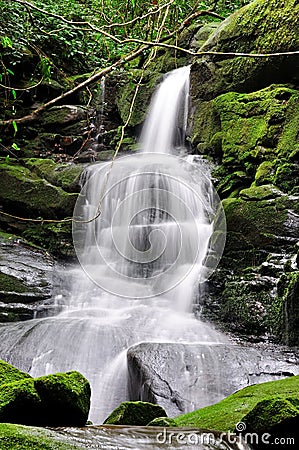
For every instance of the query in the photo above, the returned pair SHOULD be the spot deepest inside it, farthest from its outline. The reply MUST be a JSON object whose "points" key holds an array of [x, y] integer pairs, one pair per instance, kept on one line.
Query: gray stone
{"points": [[185, 377]]}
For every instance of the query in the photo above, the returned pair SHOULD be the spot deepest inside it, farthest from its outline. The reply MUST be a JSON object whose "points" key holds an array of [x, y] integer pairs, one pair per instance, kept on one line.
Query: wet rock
{"points": [[134, 413], [26, 274], [288, 307], [62, 115], [184, 377], [27, 280]]}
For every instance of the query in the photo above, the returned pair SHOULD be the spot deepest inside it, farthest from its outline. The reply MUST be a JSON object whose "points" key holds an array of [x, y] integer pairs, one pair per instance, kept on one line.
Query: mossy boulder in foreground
{"points": [[61, 399], [65, 398], [251, 405], [135, 413]]}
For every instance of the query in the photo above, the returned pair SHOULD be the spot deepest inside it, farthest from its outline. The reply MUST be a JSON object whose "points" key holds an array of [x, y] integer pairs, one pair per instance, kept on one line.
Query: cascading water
{"points": [[159, 234]]}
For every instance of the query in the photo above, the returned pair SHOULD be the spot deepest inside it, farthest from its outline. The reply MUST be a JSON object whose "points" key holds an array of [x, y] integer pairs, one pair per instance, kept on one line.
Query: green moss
{"points": [[245, 305], [260, 27], [31, 195], [9, 373], [17, 437], [224, 416], [66, 398], [247, 134], [271, 413], [135, 413], [11, 284], [55, 237], [253, 224], [65, 176], [287, 177], [61, 399], [285, 309], [162, 422], [19, 402], [127, 91], [260, 192], [264, 173]]}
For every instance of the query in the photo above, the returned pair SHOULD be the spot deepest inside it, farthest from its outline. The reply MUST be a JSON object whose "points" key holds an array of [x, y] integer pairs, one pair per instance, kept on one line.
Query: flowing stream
{"points": [[160, 233]]}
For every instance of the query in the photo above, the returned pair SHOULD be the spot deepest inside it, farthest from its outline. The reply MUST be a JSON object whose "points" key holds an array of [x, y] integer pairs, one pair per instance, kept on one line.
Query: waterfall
{"points": [[160, 233]]}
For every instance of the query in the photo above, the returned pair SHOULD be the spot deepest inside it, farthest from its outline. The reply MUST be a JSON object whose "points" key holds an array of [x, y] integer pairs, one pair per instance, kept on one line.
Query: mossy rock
{"points": [[260, 27], [65, 399], [256, 224], [254, 134], [245, 305], [9, 373], [54, 237], [135, 413], [162, 422], [285, 311], [65, 176], [265, 173], [61, 399], [273, 415], [20, 403], [62, 115], [224, 416], [126, 93], [24, 191], [287, 177], [264, 192], [13, 289], [17, 437]]}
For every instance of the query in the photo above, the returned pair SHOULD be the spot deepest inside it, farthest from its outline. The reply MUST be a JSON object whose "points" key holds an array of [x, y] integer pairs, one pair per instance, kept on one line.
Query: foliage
{"points": [[51, 39]]}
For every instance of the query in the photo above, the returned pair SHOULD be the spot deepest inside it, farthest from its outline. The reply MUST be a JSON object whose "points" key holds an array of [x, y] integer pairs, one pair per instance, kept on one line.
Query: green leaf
{"points": [[14, 94], [6, 42], [15, 146], [6, 159], [9, 71], [15, 126]]}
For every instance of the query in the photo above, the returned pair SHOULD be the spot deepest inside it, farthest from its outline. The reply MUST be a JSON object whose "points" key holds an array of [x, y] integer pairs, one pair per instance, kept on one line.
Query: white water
{"points": [[144, 257]]}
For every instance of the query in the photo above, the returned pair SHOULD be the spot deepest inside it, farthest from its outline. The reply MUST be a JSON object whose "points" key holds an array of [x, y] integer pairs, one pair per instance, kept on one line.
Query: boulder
{"points": [[162, 422], [276, 416], [40, 189], [20, 403], [252, 137], [226, 414], [134, 413], [53, 400], [66, 175], [22, 191], [23, 293], [183, 377], [260, 27], [65, 399]]}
